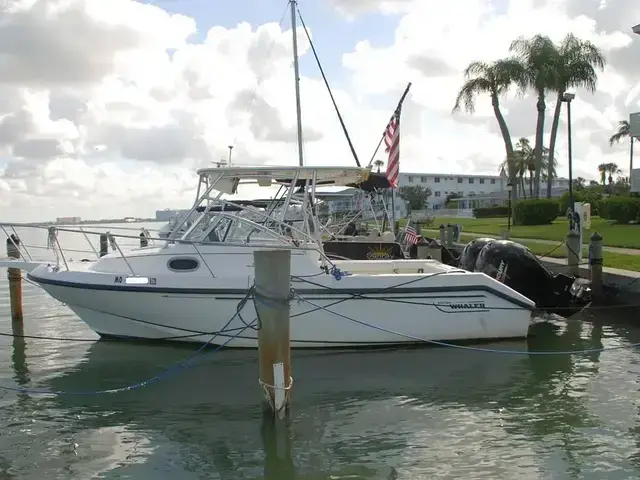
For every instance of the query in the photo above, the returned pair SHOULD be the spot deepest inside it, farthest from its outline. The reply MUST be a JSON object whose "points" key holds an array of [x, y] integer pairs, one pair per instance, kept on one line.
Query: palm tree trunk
{"points": [[530, 183], [508, 145], [552, 141], [522, 187], [539, 139]]}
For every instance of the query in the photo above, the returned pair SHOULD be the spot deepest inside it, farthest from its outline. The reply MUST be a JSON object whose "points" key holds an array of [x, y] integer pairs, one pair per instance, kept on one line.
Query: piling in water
{"points": [[104, 244], [272, 294], [15, 279]]}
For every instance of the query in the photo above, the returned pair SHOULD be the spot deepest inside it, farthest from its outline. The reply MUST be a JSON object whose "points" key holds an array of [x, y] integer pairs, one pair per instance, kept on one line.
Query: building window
{"points": [[481, 193], [423, 179], [410, 179], [460, 193], [459, 179], [436, 180], [471, 180], [437, 194], [493, 181], [482, 180]]}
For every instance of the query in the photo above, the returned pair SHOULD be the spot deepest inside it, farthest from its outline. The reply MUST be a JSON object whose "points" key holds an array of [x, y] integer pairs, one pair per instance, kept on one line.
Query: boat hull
{"points": [[336, 314]]}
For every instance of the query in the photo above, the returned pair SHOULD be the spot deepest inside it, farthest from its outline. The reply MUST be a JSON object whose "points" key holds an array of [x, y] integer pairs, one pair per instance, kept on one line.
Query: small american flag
{"points": [[392, 142], [410, 235]]}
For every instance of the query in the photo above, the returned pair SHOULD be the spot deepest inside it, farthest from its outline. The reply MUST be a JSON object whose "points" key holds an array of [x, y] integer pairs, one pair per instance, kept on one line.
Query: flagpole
{"points": [[404, 95]]}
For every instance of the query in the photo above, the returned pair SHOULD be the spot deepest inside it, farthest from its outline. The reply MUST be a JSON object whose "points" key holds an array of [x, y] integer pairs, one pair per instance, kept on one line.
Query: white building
{"points": [[488, 188]]}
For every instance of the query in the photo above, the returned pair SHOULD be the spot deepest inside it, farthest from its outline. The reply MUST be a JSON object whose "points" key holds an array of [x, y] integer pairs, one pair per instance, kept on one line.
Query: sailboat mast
{"points": [[296, 70]]}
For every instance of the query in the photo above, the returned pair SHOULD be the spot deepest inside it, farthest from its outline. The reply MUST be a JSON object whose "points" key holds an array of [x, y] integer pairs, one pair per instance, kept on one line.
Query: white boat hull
{"points": [[406, 308]]}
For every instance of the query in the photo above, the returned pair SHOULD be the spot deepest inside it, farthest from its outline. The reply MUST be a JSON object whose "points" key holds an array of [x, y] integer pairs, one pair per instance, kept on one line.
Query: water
{"points": [[389, 414]]}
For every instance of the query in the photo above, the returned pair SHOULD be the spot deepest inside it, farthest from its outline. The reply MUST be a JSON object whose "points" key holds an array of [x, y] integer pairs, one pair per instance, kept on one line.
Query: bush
{"points": [[620, 209], [535, 212], [486, 212], [592, 196]]}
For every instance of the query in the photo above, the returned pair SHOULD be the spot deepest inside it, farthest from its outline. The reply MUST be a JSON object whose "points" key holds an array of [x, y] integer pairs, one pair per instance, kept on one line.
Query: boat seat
{"points": [[388, 237]]}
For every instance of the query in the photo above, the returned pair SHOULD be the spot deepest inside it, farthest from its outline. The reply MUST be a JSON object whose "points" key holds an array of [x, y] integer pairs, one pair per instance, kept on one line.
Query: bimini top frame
{"points": [[216, 182]]}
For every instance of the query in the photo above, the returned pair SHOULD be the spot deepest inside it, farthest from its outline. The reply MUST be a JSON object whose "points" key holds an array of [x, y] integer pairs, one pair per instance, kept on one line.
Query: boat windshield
{"points": [[238, 228]]}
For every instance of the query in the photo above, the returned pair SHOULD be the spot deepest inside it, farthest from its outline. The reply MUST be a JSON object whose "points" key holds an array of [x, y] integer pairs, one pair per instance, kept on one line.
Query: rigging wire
{"points": [[326, 82]]}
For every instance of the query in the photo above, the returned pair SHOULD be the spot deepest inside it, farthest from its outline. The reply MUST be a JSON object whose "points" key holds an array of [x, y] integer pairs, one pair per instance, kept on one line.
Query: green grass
{"points": [[626, 236], [610, 259]]}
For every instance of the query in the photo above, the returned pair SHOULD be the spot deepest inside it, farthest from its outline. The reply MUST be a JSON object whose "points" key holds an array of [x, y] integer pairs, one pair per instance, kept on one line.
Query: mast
{"points": [[296, 70]]}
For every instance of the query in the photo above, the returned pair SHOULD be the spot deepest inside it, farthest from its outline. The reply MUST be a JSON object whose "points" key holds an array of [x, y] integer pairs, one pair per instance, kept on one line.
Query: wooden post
{"points": [[104, 244], [15, 279], [144, 242], [572, 241], [595, 265], [449, 236], [272, 290], [443, 235]]}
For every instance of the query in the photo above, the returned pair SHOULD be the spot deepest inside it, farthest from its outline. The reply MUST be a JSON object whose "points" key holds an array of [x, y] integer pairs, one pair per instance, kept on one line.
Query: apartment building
{"points": [[470, 188]]}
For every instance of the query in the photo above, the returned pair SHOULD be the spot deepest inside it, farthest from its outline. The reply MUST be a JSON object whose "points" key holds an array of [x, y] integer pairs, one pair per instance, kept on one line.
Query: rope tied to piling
{"points": [[267, 388]]}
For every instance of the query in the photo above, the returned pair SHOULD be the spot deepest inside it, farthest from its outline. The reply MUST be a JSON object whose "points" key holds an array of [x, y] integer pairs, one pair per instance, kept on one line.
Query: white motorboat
{"points": [[189, 287]]}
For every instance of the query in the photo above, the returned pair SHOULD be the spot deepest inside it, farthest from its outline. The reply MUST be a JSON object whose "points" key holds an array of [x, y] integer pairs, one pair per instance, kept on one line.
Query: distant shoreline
{"points": [[98, 222]]}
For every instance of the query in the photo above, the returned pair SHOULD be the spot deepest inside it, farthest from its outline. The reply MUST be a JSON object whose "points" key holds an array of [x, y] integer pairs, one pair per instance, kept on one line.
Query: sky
{"points": [[108, 107]]}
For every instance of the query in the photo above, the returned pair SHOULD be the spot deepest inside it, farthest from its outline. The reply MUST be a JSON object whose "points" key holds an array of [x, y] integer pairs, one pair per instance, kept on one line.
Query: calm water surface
{"points": [[417, 413]]}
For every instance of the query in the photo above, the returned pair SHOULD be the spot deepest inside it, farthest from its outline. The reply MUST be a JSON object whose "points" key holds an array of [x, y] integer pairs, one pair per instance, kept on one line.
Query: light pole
{"points": [[567, 98], [509, 188], [230, 149]]}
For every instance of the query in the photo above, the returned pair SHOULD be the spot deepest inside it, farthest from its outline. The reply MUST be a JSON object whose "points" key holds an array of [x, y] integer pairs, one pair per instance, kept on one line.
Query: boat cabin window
{"points": [[183, 264]]}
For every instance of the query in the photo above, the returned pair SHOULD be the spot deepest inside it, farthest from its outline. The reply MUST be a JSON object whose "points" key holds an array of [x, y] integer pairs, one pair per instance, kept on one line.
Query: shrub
{"points": [[486, 212], [620, 209], [535, 212], [589, 195]]}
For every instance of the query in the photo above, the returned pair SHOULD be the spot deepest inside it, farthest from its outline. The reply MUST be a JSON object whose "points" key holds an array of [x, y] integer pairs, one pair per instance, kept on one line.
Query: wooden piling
{"points": [[572, 242], [15, 279], [104, 244], [443, 235], [595, 265], [144, 241], [272, 291], [449, 236]]}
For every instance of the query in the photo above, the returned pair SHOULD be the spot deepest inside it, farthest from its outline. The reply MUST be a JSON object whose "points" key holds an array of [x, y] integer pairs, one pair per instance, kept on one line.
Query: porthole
{"points": [[183, 264]]}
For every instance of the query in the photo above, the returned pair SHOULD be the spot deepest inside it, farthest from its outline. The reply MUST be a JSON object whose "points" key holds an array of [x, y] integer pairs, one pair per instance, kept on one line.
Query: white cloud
{"points": [[108, 107]]}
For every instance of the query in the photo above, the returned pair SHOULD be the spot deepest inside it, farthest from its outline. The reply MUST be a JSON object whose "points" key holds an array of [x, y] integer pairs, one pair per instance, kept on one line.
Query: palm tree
{"points": [[602, 170], [575, 66], [378, 164], [624, 130], [537, 54], [521, 158], [579, 183], [493, 79], [607, 171]]}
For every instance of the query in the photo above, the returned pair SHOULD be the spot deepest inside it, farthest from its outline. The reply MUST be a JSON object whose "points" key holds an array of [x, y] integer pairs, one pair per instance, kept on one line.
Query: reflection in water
{"points": [[19, 362], [401, 413], [276, 441]]}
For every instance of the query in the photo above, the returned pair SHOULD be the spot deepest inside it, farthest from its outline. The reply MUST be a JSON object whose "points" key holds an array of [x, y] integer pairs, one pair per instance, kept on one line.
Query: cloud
{"points": [[435, 41], [107, 108]]}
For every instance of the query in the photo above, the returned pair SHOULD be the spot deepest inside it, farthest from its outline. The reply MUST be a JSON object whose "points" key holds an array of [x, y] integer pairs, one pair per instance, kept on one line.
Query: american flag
{"points": [[392, 142], [410, 235]]}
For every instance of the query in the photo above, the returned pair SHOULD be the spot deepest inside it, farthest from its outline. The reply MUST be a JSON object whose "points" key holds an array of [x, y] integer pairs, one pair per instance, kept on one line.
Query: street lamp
{"points": [[509, 188], [567, 98]]}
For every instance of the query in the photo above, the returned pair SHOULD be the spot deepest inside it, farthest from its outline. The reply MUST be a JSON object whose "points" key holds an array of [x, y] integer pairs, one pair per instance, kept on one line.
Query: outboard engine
{"points": [[515, 266], [471, 251]]}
